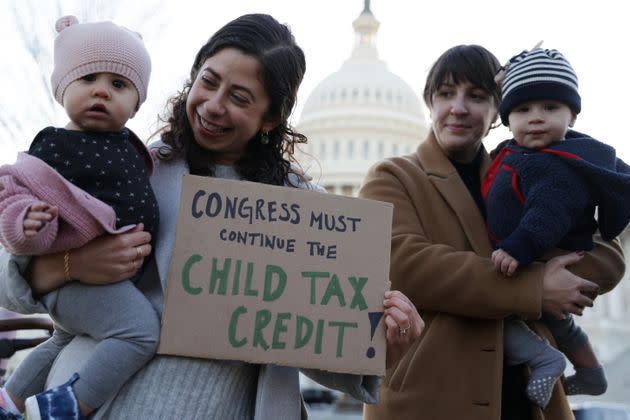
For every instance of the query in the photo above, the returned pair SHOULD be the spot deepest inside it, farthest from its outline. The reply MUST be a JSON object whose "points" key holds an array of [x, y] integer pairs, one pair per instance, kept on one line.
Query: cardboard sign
{"points": [[278, 275]]}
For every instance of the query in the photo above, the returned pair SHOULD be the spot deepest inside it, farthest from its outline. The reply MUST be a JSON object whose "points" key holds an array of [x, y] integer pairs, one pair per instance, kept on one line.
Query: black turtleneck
{"points": [[470, 174]]}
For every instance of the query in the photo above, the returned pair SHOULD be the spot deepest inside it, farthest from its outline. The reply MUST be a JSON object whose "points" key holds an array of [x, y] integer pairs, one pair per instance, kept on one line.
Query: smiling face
{"points": [[537, 124], [227, 104], [100, 102], [461, 115]]}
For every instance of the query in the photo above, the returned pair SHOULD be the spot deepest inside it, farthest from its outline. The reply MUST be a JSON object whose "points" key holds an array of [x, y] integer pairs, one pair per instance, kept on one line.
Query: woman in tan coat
{"points": [[440, 260]]}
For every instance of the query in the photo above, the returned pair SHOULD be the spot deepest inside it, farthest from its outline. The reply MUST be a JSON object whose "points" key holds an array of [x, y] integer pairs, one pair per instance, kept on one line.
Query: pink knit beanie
{"points": [[86, 48]]}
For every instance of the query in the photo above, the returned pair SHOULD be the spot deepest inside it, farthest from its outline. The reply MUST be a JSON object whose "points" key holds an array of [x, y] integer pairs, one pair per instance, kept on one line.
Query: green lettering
{"points": [[313, 275], [342, 326], [232, 328], [279, 328], [195, 258], [248, 281], [334, 289], [319, 336], [237, 278], [262, 320], [221, 275], [306, 325], [358, 299], [268, 294]]}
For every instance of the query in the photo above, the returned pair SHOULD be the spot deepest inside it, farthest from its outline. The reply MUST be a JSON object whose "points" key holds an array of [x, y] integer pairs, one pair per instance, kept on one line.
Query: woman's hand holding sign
{"points": [[403, 325]]}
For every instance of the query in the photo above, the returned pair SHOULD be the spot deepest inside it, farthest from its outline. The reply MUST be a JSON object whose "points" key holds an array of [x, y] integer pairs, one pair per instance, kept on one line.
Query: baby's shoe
{"points": [[546, 368], [57, 403], [587, 381]]}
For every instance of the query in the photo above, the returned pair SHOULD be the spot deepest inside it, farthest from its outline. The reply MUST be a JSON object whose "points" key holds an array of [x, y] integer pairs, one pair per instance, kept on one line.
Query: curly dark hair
{"points": [[282, 67]]}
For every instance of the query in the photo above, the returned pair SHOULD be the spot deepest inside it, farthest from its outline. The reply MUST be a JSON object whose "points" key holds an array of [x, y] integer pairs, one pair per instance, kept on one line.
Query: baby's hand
{"points": [[504, 262], [37, 216]]}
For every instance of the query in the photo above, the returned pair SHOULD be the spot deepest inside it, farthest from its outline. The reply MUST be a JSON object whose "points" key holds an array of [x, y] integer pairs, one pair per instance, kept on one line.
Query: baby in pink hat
{"points": [[74, 184]]}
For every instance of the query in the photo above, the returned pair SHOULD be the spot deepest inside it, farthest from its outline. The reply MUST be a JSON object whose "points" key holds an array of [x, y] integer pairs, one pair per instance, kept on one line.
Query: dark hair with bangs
{"points": [[282, 66], [464, 63]]}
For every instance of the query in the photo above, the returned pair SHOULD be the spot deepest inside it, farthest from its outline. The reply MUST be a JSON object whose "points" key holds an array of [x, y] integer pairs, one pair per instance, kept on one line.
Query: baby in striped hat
{"points": [[541, 193]]}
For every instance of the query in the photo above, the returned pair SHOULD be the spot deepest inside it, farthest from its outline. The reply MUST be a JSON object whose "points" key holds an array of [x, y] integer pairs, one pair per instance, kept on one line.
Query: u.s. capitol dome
{"points": [[360, 114]]}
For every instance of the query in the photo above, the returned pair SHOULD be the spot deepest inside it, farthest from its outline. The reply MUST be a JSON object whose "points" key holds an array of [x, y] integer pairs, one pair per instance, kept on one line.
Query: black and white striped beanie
{"points": [[537, 75]]}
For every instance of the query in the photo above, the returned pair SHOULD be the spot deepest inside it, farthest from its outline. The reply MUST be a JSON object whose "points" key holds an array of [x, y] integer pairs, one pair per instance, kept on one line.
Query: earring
{"points": [[264, 138]]}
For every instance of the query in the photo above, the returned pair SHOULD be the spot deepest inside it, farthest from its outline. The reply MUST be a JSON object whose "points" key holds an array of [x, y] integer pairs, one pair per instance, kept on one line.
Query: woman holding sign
{"points": [[441, 260], [229, 121]]}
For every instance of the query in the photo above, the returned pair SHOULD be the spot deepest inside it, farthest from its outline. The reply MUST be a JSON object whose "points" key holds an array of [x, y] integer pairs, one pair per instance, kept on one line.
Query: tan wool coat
{"points": [[440, 260]]}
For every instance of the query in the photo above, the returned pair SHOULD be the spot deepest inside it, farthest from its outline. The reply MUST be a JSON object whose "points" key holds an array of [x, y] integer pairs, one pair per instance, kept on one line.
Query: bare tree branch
{"points": [[33, 22]]}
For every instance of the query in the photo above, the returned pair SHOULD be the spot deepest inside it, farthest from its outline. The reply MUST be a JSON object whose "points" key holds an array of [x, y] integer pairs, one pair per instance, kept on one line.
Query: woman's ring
{"points": [[403, 330], [138, 253]]}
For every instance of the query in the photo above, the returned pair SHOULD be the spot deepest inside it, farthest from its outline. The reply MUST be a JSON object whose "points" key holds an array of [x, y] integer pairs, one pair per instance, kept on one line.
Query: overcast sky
{"points": [[412, 35]]}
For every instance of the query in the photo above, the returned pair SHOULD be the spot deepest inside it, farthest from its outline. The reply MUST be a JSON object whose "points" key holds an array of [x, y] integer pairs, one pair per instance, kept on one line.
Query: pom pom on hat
{"points": [[87, 48], [538, 74], [64, 22]]}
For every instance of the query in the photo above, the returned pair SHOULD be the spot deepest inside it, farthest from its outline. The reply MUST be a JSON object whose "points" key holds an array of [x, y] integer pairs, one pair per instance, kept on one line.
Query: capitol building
{"points": [[359, 115], [363, 112]]}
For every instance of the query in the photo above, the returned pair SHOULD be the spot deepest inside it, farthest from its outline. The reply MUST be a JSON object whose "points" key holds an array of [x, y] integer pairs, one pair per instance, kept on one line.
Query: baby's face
{"points": [[100, 102], [537, 124]]}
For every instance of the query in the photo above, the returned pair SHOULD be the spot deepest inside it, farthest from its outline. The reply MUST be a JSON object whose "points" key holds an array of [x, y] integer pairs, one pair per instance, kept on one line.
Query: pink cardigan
{"points": [[81, 216]]}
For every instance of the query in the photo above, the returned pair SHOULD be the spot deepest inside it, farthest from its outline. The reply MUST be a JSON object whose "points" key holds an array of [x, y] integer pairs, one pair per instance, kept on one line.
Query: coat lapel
{"points": [[447, 182]]}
